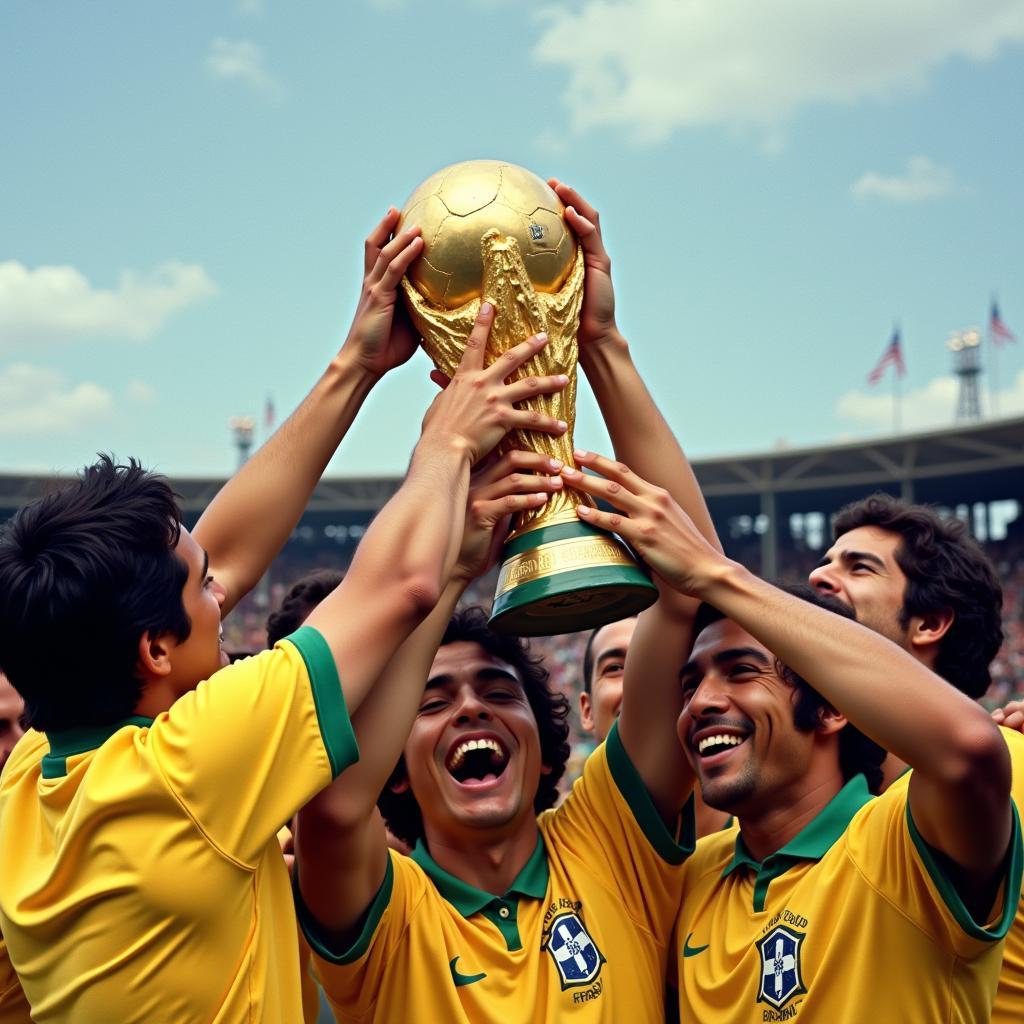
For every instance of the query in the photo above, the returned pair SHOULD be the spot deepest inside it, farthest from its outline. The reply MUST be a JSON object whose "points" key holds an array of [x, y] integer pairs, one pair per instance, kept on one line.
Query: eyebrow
{"points": [[485, 675], [733, 654], [855, 556], [619, 653]]}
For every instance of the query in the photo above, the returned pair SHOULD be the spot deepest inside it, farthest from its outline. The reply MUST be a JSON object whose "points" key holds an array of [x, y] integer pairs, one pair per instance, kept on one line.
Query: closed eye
{"points": [[430, 706]]}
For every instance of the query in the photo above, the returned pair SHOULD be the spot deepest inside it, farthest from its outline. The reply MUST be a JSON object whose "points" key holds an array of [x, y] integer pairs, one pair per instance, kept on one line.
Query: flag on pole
{"points": [[998, 331], [893, 354], [268, 414]]}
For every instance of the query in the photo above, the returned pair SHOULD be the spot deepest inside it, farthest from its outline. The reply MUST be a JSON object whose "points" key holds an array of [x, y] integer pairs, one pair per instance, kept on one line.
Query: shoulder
{"points": [[27, 754]]}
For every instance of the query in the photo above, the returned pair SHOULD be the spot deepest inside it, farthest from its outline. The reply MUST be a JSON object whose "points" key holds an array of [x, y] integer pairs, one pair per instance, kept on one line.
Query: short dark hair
{"points": [[550, 709], [84, 572], [305, 594], [858, 755], [945, 568]]}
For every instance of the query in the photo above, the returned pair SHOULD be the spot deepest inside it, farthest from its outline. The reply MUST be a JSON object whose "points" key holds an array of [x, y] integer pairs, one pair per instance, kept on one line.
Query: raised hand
{"points": [[477, 408], [651, 521], [597, 316], [499, 488], [382, 336]]}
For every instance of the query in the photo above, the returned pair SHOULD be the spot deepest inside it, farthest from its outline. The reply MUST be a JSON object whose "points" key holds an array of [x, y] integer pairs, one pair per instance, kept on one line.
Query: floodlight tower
{"points": [[242, 428], [966, 349]]}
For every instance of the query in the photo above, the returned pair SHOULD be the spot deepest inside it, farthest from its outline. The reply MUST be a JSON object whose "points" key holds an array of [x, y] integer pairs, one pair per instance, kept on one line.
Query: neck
{"points": [[768, 829], [487, 860]]}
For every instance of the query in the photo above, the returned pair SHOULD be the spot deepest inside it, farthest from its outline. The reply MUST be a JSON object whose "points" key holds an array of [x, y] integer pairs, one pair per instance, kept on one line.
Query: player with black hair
{"points": [[920, 579], [804, 912], [550, 710], [142, 879]]}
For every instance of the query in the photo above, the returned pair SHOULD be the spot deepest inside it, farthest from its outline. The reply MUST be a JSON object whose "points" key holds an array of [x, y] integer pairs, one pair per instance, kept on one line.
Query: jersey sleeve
{"points": [[249, 746], [352, 977], [887, 849], [610, 823]]}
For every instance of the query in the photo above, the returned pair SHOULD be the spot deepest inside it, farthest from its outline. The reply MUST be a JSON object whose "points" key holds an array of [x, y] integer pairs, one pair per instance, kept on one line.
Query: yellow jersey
{"points": [[581, 935], [1009, 1005], [853, 920], [142, 877]]}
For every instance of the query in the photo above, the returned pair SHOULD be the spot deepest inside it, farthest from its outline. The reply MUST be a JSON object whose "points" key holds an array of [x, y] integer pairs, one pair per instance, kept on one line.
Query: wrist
{"points": [[346, 367], [722, 583], [438, 444], [603, 355]]}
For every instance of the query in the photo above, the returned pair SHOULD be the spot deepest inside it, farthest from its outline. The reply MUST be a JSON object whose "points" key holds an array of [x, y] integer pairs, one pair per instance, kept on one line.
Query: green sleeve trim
{"points": [[328, 699], [673, 849], [322, 944], [1013, 866]]}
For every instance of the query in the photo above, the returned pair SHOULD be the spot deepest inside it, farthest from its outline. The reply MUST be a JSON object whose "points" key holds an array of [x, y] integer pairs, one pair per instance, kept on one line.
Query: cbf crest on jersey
{"points": [[780, 966], [575, 953]]}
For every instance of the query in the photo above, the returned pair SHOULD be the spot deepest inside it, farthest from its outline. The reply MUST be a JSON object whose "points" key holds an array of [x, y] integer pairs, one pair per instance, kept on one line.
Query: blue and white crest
{"points": [[575, 954], [780, 966]]}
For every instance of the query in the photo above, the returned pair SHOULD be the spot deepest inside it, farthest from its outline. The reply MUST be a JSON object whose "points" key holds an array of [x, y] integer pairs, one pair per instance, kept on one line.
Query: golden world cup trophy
{"points": [[495, 231]]}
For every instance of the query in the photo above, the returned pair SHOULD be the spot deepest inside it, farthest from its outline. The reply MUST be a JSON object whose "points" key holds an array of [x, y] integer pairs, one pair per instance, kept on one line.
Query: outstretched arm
{"points": [[248, 522], [405, 561], [651, 698], [960, 788], [341, 849]]}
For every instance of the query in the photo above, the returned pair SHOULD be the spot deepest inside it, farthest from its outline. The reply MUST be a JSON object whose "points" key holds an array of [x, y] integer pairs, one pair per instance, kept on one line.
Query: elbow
{"points": [[978, 757], [334, 811], [420, 594]]}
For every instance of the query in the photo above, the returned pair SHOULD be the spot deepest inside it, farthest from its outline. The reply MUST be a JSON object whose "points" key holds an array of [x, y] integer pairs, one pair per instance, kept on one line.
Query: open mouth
{"points": [[477, 761], [716, 744]]}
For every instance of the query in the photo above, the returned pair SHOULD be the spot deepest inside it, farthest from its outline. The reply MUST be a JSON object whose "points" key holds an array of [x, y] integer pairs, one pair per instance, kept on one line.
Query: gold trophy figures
{"points": [[496, 231]]}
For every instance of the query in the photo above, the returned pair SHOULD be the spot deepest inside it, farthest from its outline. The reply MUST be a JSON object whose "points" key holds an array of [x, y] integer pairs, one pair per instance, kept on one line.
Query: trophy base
{"points": [[566, 577]]}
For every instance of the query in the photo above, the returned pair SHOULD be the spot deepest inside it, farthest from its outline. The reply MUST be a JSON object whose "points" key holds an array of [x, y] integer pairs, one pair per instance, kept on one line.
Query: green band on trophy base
{"points": [[567, 577]]}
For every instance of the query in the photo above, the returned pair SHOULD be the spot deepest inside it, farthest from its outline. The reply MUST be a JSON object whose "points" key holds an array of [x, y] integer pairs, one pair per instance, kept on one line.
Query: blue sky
{"points": [[186, 189]]}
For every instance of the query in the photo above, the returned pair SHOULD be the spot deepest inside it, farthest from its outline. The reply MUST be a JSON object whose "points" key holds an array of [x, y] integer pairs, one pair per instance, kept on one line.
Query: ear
{"points": [[586, 712], [926, 631], [154, 654], [830, 721]]}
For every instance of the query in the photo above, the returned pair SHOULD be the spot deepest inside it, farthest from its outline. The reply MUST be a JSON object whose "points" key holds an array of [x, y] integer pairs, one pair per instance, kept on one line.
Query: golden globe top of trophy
{"points": [[495, 231]]}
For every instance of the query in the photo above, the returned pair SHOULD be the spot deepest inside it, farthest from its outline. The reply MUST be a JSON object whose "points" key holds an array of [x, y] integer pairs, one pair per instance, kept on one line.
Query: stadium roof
{"points": [[969, 462]]}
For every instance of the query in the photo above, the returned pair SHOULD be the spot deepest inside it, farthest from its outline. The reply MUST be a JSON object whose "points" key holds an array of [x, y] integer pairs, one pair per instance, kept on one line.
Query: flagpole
{"points": [[896, 398], [993, 375]]}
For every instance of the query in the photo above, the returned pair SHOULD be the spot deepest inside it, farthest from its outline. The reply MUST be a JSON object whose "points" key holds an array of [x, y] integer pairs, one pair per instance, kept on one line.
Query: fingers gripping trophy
{"points": [[496, 232]]}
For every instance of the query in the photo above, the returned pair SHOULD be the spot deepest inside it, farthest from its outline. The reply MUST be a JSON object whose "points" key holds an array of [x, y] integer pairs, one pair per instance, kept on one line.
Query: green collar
{"points": [[812, 842], [65, 743], [532, 881]]}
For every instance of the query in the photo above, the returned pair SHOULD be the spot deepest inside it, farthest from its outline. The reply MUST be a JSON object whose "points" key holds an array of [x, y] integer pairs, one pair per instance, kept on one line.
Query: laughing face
{"points": [[473, 754], [737, 727]]}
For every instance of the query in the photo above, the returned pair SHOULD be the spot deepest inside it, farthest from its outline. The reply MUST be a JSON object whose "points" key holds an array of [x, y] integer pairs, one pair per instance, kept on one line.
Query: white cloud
{"points": [[243, 61], [650, 67], [35, 400], [250, 8], [922, 179], [139, 392], [931, 406], [59, 301]]}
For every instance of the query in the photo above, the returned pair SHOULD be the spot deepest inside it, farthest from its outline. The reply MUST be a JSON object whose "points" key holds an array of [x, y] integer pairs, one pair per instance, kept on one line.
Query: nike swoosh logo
{"points": [[463, 979], [689, 950]]}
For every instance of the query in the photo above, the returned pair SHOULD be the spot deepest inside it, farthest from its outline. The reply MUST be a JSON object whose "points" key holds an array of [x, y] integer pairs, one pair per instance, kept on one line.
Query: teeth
{"points": [[464, 748], [711, 741]]}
